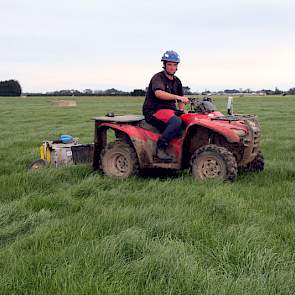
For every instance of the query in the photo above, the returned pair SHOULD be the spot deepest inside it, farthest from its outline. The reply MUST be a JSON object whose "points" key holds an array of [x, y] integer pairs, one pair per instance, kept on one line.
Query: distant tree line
{"points": [[142, 92], [13, 88], [10, 88], [277, 91], [90, 92], [107, 92]]}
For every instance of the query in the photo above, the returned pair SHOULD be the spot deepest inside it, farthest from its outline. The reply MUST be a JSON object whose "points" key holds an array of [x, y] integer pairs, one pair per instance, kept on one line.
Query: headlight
{"points": [[240, 132], [251, 123]]}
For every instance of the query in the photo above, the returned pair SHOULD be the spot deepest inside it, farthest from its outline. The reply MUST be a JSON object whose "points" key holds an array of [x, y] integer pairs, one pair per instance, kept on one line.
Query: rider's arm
{"points": [[166, 95], [182, 100], [158, 86], [169, 96]]}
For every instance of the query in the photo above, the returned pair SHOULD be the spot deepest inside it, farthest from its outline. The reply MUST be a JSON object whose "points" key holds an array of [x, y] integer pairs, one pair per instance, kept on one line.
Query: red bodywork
{"points": [[200, 130]]}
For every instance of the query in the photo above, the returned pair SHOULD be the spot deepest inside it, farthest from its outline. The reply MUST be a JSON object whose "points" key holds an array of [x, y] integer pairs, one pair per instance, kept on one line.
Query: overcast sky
{"points": [[65, 44]]}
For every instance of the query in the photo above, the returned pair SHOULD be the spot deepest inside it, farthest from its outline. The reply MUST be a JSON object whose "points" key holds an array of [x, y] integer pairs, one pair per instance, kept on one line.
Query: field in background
{"points": [[71, 231]]}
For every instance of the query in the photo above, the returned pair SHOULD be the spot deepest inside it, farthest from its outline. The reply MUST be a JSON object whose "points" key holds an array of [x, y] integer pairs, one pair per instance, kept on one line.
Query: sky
{"points": [[75, 44]]}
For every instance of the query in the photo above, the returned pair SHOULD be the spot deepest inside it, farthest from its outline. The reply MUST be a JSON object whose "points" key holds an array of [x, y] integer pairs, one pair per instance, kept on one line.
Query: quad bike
{"points": [[212, 145]]}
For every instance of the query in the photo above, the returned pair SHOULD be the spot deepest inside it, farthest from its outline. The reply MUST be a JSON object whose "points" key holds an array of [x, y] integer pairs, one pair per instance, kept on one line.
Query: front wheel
{"points": [[214, 162], [257, 165], [119, 159]]}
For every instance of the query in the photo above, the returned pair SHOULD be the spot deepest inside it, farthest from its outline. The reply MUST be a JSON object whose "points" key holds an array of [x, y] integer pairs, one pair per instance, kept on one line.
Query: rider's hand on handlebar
{"points": [[183, 99]]}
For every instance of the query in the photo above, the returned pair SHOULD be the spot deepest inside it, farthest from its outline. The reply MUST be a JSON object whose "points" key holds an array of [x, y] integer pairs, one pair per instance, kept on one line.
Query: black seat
{"points": [[120, 119], [145, 125]]}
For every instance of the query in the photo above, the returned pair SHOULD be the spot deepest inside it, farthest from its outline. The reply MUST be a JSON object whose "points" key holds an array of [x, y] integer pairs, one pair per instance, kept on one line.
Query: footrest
{"points": [[157, 160], [166, 165]]}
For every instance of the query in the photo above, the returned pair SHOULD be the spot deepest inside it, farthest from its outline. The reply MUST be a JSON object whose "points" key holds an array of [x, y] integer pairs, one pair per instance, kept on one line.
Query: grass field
{"points": [[71, 231]]}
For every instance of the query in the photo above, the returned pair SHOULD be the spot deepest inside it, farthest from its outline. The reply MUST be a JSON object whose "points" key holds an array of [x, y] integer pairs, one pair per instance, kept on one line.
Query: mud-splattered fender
{"points": [[143, 141], [230, 135]]}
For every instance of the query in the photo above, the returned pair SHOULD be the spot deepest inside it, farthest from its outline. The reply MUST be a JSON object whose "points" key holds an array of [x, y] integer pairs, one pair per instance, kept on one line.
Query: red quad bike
{"points": [[212, 145]]}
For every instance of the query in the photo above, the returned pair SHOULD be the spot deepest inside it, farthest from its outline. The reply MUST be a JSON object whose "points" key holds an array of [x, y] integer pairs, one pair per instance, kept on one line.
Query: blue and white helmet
{"points": [[171, 56]]}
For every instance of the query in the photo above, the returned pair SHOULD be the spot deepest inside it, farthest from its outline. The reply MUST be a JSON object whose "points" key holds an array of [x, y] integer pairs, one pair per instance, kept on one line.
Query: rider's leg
{"points": [[173, 128]]}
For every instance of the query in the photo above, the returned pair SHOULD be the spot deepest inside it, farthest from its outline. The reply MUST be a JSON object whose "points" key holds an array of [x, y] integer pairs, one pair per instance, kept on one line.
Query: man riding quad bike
{"points": [[210, 144], [159, 108]]}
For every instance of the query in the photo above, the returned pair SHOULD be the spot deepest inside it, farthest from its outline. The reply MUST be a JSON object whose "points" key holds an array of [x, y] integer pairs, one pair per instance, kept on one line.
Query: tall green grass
{"points": [[72, 231]]}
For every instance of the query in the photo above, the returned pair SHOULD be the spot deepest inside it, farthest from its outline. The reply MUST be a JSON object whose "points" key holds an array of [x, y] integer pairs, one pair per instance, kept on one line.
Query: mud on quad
{"points": [[212, 145]]}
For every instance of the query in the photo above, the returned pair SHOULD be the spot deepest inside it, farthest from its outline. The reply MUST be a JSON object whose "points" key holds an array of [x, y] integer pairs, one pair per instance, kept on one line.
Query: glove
{"points": [[179, 112]]}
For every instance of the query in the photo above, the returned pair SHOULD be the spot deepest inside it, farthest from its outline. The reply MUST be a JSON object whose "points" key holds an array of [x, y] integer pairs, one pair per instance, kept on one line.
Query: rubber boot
{"points": [[162, 154]]}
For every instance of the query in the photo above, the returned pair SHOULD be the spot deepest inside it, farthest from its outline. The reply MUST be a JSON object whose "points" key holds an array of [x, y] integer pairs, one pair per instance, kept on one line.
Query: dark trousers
{"points": [[168, 124]]}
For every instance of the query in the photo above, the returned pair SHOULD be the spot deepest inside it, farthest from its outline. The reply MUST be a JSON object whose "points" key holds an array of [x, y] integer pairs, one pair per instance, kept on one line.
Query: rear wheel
{"points": [[214, 162], [119, 159]]}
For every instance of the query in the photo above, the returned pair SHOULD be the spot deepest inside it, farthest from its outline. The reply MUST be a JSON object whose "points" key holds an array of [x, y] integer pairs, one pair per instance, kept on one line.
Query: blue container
{"points": [[66, 138]]}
